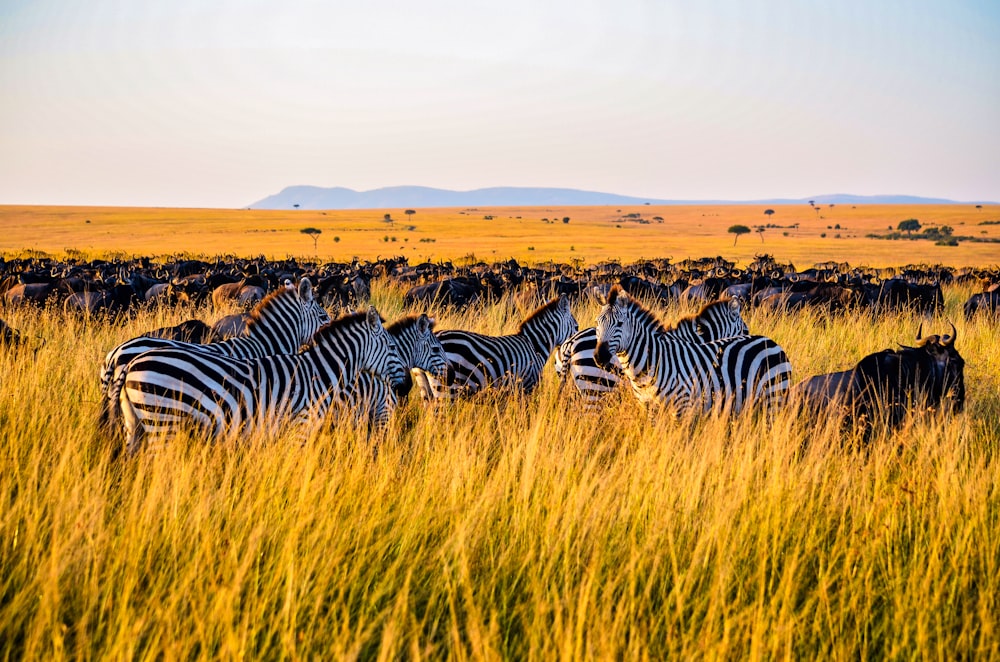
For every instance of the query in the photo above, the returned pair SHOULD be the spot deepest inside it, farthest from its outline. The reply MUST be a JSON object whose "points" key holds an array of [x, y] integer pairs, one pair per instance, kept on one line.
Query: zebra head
{"points": [[313, 314], [615, 327], [379, 354], [427, 352]]}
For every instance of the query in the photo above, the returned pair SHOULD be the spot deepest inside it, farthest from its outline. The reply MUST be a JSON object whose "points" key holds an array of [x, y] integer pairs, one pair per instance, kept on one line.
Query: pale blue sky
{"points": [[197, 103]]}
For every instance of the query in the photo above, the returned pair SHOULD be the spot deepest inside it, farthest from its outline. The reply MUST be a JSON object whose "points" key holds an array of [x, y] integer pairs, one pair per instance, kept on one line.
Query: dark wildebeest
{"points": [[883, 386], [987, 302], [193, 331], [8, 336], [458, 292], [231, 326]]}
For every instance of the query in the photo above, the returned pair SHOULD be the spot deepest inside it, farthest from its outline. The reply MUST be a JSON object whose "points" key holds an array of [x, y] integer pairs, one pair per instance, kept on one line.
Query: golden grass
{"points": [[593, 233], [518, 528]]}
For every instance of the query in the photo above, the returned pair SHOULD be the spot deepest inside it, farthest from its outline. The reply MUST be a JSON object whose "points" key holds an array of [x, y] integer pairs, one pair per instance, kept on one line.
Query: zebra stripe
{"points": [[370, 398], [575, 357], [222, 396], [727, 374], [280, 324], [477, 362]]}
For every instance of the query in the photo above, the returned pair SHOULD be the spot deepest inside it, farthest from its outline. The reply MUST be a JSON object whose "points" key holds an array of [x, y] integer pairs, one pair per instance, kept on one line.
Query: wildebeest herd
{"points": [[285, 360]]}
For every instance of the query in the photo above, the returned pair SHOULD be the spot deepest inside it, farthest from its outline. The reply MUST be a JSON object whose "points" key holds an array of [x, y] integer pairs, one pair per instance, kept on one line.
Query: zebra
{"points": [[372, 398], [281, 323], [575, 357], [168, 388], [477, 362], [727, 374]]}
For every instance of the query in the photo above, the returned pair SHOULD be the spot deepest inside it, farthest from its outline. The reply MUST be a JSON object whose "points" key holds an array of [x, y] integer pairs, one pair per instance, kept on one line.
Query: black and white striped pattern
{"points": [[280, 324], [165, 389], [575, 357], [371, 399], [726, 375], [477, 362]]}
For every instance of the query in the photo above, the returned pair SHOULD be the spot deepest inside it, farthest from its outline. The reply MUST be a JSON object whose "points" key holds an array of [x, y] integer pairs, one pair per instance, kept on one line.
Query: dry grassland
{"points": [[593, 233], [507, 528]]}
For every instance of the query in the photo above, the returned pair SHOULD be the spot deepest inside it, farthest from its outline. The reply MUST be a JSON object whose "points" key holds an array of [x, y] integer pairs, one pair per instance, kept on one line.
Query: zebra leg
{"points": [[132, 424]]}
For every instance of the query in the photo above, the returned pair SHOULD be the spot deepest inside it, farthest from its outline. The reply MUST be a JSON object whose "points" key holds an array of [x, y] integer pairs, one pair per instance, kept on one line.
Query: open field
{"points": [[510, 528], [593, 233]]}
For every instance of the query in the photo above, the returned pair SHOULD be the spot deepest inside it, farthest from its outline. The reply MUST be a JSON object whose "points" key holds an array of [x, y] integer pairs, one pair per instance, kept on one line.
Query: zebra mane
{"points": [[707, 308], [546, 308], [261, 309], [330, 329], [403, 323], [642, 314]]}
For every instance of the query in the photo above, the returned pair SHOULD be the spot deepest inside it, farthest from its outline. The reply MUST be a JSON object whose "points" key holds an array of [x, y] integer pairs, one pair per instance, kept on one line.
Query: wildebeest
{"points": [[987, 302], [193, 331], [885, 385], [8, 336], [458, 292], [231, 326]]}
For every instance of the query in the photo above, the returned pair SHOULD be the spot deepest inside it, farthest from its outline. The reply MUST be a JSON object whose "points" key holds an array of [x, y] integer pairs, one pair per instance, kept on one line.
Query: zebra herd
{"points": [[295, 365]]}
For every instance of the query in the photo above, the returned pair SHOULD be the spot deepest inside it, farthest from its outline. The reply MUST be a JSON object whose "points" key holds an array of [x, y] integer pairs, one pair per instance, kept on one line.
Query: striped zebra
{"points": [[281, 323], [477, 362], [725, 374], [575, 357], [166, 389], [371, 398]]}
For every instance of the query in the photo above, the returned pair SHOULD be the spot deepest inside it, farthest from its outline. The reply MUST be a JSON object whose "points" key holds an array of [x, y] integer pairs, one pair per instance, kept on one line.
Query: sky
{"points": [[188, 103]]}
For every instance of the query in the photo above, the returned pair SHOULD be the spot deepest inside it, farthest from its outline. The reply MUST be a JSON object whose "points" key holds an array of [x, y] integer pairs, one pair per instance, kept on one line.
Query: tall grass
{"points": [[517, 527]]}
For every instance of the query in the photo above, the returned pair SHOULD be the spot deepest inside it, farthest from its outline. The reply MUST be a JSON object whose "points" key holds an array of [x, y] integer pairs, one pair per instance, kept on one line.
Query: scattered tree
{"points": [[565, 219], [979, 207], [760, 231], [769, 213], [296, 205], [387, 218], [314, 233], [909, 226], [738, 230], [410, 212]]}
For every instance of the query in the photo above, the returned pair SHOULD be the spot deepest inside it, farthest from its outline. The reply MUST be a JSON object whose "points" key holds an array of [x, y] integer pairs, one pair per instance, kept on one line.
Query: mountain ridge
{"points": [[338, 197]]}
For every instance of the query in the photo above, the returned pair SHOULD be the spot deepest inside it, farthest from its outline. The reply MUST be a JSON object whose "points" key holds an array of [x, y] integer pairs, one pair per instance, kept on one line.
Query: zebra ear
{"points": [[563, 302], [306, 289], [735, 305], [373, 318], [423, 324]]}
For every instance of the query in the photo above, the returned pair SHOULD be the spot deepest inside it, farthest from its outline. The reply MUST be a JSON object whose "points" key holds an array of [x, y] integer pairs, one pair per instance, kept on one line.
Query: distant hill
{"points": [[316, 197]]}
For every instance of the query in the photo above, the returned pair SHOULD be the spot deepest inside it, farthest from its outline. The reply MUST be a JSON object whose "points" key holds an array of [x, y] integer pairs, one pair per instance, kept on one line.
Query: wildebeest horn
{"points": [[919, 330], [948, 341]]}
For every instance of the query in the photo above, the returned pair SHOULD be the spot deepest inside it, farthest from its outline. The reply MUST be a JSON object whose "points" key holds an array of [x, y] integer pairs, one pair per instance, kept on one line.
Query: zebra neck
{"points": [[404, 345], [541, 334], [330, 367], [638, 361]]}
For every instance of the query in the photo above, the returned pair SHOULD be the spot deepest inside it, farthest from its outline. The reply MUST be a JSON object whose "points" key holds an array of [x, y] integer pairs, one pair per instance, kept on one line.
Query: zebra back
{"points": [[222, 395], [718, 320], [477, 361], [281, 323]]}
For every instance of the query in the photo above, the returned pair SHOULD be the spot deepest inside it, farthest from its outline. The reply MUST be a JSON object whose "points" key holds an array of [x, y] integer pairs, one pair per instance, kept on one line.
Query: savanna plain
{"points": [[507, 527]]}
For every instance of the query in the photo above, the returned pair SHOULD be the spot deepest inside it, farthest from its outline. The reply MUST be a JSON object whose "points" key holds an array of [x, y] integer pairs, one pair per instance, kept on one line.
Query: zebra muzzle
{"points": [[602, 354]]}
